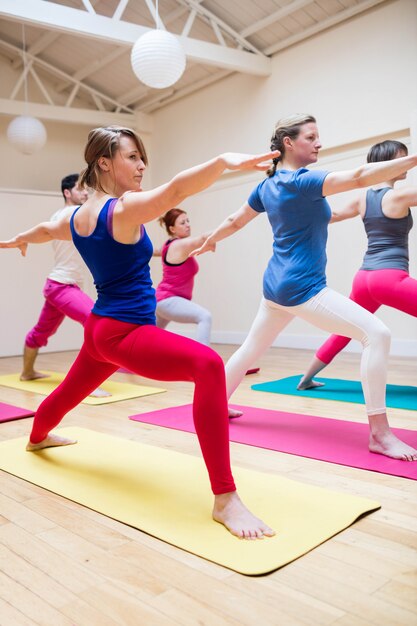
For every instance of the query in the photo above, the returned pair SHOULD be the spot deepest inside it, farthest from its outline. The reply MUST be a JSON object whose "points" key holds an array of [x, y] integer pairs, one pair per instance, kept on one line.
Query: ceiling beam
{"points": [[212, 19], [89, 117], [92, 67], [38, 46], [167, 98], [98, 27], [323, 25], [274, 17]]}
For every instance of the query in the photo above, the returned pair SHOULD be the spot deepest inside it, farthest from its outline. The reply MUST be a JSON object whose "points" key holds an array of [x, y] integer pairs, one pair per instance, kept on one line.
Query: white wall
{"points": [[358, 79]]}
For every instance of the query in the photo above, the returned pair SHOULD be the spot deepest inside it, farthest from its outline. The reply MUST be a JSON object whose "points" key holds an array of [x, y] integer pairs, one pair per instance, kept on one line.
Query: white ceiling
{"points": [[78, 51]]}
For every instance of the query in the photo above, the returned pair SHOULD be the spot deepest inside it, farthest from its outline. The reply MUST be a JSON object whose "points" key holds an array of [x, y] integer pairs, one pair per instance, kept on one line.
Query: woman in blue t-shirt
{"points": [[383, 278], [294, 285]]}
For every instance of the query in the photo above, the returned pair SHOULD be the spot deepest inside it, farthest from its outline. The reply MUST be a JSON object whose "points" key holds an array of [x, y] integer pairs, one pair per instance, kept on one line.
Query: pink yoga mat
{"points": [[335, 441], [8, 412]]}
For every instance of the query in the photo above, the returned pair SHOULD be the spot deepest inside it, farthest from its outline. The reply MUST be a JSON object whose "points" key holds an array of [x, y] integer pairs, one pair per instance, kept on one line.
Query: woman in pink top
{"points": [[175, 291]]}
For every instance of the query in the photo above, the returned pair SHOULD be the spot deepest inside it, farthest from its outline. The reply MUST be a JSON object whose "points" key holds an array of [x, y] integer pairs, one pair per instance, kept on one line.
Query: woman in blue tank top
{"points": [[108, 230], [294, 285], [383, 278]]}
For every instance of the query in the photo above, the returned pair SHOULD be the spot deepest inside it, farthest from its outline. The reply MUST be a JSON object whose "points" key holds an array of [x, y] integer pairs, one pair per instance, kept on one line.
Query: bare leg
{"points": [[29, 373], [51, 441], [230, 511], [383, 441], [314, 368], [29, 357]]}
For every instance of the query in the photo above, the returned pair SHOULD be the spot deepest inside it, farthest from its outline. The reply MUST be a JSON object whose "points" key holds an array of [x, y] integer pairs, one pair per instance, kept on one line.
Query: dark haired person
{"points": [[63, 287], [383, 278], [109, 232], [175, 291], [294, 199]]}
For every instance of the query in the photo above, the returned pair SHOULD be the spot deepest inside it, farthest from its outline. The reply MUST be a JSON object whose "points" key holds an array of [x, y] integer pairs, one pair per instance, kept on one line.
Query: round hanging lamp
{"points": [[27, 134], [158, 59]]}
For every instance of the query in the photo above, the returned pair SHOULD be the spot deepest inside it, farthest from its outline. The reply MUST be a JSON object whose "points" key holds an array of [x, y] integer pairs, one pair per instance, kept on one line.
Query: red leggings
{"points": [[372, 289], [158, 354]]}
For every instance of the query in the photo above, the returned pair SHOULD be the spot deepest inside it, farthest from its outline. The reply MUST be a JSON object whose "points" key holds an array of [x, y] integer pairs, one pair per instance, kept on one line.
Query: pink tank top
{"points": [[177, 280]]}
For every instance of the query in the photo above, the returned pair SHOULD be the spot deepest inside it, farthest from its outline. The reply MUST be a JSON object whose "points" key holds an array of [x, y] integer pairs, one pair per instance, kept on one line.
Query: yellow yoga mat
{"points": [[44, 386], [166, 494]]}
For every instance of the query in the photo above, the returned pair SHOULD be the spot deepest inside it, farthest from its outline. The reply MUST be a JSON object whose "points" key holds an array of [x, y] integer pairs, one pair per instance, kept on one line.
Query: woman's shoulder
{"points": [[298, 174]]}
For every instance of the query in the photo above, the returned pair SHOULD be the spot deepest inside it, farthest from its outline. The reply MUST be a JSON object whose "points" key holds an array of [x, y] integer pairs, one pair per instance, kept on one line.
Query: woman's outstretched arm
{"points": [[346, 212], [403, 198], [145, 206], [231, 225], [367, 175], [180, 249]]}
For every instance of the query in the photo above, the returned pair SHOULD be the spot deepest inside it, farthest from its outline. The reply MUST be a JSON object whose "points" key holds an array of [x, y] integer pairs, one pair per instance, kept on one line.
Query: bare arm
{"points": [[402, 199], [42, 233], [367, 175], [231, 225], [179, 250], [347, 212], [143, 207]]}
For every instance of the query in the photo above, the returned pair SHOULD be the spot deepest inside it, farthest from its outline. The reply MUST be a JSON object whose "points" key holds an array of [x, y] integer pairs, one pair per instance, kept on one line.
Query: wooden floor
{"points": [[64, 565]]}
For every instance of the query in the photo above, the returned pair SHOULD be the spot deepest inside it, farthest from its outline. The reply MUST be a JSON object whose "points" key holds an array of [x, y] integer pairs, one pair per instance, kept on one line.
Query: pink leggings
{"points": [[61, 301], [372, 289], [158, 354]]}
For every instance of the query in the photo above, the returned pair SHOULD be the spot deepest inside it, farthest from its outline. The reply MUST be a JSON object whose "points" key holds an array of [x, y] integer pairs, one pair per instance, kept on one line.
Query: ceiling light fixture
{"points": [[27, 134], [158, 58]]}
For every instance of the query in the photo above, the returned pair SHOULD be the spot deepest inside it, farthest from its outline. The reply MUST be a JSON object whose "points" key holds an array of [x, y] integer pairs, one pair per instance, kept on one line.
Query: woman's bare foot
{"points": [[51, 441], [33, 375], [99, 393], [389, 445], [230, 511], [308, 384], [234, 413]]}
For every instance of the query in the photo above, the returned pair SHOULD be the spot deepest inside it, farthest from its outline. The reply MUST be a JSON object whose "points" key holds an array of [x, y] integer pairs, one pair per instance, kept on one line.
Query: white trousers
{"points": [[333, 313], [177, 309]]}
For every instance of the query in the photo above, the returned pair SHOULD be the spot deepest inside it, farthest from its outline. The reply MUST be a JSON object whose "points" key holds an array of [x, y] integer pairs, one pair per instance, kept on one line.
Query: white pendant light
{"points": [[27, 134], [158, 58]]}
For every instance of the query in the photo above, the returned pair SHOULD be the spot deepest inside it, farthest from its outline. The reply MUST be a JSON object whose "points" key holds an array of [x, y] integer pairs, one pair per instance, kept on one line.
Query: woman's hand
{"points": [[16, 242], [237, 161], [207, 246]]}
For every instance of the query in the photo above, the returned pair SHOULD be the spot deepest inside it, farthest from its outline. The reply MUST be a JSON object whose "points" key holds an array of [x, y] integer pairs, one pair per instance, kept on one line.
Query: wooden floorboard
{"points": [[64, 565]]}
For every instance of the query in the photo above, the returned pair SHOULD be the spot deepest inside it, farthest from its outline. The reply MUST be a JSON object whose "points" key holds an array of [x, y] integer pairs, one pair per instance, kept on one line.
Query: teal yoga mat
{"points": [[398, 396]]}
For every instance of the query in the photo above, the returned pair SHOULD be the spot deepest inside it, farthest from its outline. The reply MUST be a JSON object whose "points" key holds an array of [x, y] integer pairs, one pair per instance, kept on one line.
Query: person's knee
{"points": [[380, 334], [36, 340], [206, 317], [210, 363]]}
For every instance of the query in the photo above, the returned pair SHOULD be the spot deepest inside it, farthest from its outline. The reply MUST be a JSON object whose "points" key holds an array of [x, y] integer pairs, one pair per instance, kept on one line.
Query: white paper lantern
{"points": [[158, 59], [27, 134]]}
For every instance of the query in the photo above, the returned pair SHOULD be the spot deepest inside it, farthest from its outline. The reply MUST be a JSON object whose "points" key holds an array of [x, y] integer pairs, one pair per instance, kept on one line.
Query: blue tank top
{"points": [[120, 271], [387, 236]]}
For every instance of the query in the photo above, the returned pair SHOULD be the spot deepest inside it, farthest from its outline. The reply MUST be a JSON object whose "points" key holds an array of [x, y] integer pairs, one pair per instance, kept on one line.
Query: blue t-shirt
{"points": [[299, 216], [120, 271]]}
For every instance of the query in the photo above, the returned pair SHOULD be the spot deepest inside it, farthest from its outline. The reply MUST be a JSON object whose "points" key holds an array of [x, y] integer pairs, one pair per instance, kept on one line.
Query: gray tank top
{"points": [[387, 237]]}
